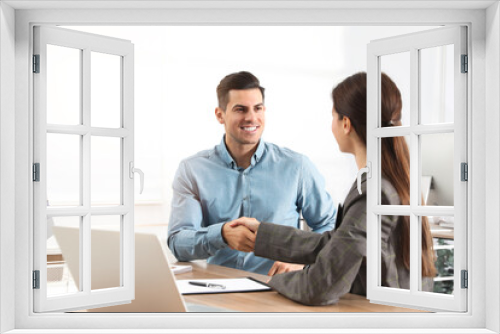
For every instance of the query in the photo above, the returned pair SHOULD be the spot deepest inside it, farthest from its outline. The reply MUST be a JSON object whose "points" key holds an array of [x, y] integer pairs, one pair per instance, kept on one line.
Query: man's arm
{"points": [[316, 204], [187, 239]]}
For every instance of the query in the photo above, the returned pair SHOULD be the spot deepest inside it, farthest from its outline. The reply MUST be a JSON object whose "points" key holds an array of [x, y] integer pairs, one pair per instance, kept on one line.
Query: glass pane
{"points": [[395, 163], [105, 239], [63, 255], [436, 152], [394, 246], [105, 90], [397, 67], [442, 256], [63, 169], [63, 85], [437, 85], [105, 171]]}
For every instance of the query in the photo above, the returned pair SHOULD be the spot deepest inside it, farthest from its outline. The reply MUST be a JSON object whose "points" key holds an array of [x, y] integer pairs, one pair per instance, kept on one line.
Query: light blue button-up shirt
{"points": [[210, 190]]}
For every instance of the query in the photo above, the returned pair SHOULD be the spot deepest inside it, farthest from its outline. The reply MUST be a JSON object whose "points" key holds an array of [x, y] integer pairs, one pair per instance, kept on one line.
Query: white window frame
{"points": [[483, 215], [86, 44], [412, 44]]}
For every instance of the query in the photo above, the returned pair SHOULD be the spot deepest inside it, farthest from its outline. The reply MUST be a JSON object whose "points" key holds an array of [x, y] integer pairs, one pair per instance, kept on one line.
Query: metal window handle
{"points": [[368, 171], [140, 172]]}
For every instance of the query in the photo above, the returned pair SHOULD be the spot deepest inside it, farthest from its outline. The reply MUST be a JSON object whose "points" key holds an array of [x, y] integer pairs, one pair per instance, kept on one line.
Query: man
{"points": [[243, 176]]}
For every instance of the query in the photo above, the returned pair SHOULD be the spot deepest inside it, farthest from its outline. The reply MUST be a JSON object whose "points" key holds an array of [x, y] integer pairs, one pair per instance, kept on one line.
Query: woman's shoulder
{"points": [[353, 195]]}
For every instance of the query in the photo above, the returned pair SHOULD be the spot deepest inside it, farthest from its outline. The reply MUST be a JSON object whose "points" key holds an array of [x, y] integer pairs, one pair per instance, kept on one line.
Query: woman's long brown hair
{"points": [[349, 100]]}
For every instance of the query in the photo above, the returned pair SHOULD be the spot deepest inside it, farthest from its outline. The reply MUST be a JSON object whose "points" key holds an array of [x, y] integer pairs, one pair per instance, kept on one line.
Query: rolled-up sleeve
{"points": [[187, 238], [316, 204]]}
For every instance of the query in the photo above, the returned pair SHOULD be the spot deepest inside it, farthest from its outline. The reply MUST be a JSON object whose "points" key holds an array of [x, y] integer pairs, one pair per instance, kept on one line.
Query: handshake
{"points": [[240, 234]]}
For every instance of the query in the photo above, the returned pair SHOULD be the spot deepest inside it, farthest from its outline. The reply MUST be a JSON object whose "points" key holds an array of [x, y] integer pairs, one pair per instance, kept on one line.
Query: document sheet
{"points": [[222, 285]]}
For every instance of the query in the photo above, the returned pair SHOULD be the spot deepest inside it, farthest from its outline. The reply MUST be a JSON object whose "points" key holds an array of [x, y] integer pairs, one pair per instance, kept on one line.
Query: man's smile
{"points": [[249, 128]]}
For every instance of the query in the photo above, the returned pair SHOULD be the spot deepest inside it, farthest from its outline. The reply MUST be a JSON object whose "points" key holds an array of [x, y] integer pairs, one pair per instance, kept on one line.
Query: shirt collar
{"points": [[228, 159], [224, 153], [258, 152]]}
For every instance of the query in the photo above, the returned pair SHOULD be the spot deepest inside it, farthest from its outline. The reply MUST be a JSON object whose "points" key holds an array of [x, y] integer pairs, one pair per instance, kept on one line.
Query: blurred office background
{"points": [[177, 69]]}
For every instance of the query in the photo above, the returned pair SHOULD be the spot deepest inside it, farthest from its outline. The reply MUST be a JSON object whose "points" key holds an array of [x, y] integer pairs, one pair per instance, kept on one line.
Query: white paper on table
{"points": [[244, 284], [178, 269]]}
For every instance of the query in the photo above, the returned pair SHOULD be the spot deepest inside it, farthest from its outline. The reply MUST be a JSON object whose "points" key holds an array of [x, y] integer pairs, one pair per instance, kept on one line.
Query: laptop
{"points": [[155, 287]]}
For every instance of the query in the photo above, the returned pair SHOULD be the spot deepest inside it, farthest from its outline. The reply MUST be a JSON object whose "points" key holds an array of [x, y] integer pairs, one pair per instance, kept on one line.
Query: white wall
{"points": [[7, 190], [492, 163]]}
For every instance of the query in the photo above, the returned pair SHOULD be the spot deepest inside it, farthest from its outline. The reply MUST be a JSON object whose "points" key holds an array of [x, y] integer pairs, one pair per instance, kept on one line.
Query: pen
{"points": [[208, 285]]}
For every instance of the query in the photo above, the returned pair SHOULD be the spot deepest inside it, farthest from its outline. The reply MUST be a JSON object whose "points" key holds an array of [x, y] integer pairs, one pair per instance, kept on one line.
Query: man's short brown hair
{"points": [[238, 81]]}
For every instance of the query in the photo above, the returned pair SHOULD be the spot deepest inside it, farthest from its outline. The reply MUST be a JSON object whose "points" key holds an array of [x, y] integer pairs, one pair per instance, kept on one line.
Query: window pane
{"points": [[63, 169], [105, 171], [397, 67], [395, 163], [436, 152], [105, 90], [63, 255], [436, 85], [63, 85], [105, 237], [394, 236], [442, 256]]}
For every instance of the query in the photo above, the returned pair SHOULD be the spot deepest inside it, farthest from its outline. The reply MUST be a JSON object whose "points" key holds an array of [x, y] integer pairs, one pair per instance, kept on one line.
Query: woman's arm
{"points": [[289, 244], [335, 260]]}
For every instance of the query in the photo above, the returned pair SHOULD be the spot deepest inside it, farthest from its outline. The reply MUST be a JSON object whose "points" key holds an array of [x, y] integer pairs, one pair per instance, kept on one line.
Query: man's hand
{"points": [[238, 237], [282, 267], [251, 223]]}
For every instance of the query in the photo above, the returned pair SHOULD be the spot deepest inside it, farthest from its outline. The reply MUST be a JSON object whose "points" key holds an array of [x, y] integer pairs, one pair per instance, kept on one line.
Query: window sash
{"points": [[86, 298], [414, 298]]}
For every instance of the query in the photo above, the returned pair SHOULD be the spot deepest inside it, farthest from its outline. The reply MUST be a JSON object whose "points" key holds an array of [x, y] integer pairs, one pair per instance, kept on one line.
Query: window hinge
{"points": [[464, 171], [465, 279], [36, 172], [465, 64], [36, 63], [36, 279]]}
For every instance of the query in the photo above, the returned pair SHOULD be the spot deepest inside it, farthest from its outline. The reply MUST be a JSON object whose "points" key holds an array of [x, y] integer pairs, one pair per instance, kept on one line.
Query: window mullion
{"points": [[86, 124], [399, 131], [434, 128], [85, 250], [414, 169], [82, 211], [392, 210], [84, 129], [85, 255]]}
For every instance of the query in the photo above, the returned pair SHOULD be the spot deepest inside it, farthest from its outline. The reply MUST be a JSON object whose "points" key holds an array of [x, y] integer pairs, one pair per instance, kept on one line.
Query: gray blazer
{"points": [[336, 259]]}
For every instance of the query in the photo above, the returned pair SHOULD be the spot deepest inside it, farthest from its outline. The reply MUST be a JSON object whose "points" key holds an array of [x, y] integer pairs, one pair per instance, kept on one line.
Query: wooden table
{"points": [[269, 301]]}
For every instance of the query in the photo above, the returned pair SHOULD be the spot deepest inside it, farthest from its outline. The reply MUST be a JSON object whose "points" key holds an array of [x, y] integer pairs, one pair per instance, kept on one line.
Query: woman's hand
{"points": [[283, 267], [251, 223]]}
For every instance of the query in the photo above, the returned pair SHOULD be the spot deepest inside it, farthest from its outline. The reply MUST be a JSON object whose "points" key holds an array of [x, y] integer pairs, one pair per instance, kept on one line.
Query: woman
{"points": [[336, 260]]}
